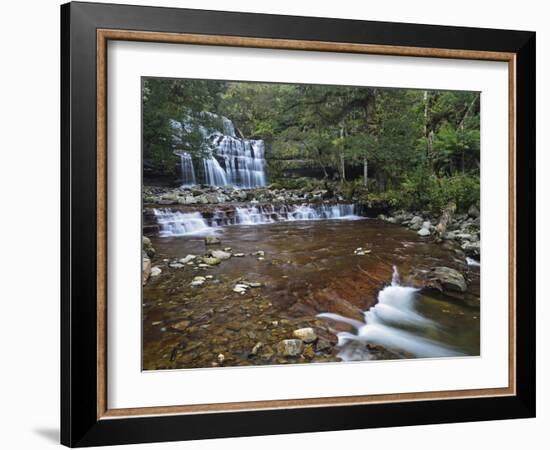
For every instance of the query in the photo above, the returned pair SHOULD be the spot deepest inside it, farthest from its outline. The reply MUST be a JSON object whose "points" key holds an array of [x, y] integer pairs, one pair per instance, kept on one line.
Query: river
{"points": [[365, 303]]}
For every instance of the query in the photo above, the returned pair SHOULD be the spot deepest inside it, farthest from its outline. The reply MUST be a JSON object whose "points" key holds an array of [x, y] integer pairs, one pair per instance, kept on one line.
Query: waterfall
{"points": [[391, 324], [214, 173], [175, 223], [229, 160], [187, 170], [243, 160]]}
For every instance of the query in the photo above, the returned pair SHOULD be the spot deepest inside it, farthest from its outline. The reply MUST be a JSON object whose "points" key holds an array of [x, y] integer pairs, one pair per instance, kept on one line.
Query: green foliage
{"points": [[423, 190], [420, 148]]}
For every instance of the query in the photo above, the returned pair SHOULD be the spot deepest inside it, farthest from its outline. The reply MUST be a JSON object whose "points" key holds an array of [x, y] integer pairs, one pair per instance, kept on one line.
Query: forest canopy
{"points": [[417, 148]]}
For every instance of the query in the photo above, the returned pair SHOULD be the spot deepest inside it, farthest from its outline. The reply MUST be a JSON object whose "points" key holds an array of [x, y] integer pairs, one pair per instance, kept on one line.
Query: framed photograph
{"points": [[277, 224]]}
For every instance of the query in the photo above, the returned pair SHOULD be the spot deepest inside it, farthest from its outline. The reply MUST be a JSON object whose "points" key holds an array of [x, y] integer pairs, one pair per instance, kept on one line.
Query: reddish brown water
{"points": [[308, 268]]}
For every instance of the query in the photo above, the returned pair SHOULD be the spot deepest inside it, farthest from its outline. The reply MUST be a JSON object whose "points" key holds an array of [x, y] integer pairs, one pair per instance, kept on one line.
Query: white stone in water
{"points": [[238, 255], [227, 249], [221, 255], [187, 259], [156, 271], [204, 266], [259, 253], [199, 277], [209, 277], [175, 265], [307, 335], [253, 284], [261, 258], [197, 282], [221, 358]]}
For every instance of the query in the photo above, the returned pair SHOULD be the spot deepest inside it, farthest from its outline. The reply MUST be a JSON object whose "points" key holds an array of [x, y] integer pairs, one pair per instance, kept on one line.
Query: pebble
{"points": [[238, 255], [156, 271]]}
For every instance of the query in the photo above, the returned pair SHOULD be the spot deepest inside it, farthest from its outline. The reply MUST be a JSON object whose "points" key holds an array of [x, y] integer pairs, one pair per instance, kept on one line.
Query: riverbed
{"points": [[302, 270]]}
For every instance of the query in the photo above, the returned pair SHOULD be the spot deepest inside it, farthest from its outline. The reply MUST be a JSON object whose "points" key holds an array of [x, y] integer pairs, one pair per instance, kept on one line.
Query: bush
{"points": [[426, 191]]}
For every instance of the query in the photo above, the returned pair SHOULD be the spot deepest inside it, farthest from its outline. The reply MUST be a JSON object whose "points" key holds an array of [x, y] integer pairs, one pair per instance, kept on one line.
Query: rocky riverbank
{"points": [[462, 228]]}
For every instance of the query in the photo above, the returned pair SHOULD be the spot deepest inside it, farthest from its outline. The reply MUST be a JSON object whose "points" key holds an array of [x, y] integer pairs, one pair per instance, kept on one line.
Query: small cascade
{"points": [[187, 170], [175, 223], [392, 323], [472, 262]]}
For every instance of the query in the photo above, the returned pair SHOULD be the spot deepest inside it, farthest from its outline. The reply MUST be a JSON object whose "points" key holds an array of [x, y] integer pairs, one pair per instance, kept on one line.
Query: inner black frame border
{"points": [[79, 423]]}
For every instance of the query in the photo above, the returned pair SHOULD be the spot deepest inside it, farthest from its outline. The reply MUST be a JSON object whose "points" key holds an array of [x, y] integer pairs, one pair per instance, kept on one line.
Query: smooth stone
{"points": [[220, 254], [211, 261], [187, 259], [238, 255], [176, 265], [156, 271], [307, 335]]}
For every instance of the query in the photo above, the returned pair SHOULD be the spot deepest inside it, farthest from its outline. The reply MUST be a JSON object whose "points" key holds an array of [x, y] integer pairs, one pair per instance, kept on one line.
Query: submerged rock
{"points": [[176, 265], [290, 347], [156, 271], [307, 335], [212, 240]]}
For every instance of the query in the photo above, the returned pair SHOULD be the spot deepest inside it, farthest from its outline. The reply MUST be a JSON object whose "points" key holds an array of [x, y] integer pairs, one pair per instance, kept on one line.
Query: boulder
{"points": [[416, 223], [307, 335], [423, 232], [290, 347], [445, 279]]}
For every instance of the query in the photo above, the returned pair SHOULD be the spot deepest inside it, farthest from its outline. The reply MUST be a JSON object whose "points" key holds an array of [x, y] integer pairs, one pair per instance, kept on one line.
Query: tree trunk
{"points": [[343, 165], [365, 171], [445, 220]]}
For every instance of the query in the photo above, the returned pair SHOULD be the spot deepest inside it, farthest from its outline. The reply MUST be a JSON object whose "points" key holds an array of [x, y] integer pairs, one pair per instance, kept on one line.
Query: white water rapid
{"points": [[391, 323], [176, 223]]}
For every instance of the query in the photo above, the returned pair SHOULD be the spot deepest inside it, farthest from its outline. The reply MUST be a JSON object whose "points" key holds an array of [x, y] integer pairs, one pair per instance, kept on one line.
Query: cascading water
{"points": [[391, 323], [230, 160], [214, 173], [187, 170], [176, 223]]}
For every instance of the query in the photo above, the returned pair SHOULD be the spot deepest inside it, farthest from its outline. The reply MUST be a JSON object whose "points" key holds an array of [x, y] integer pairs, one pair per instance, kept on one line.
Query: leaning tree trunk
{"points": [[445, 220]]}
